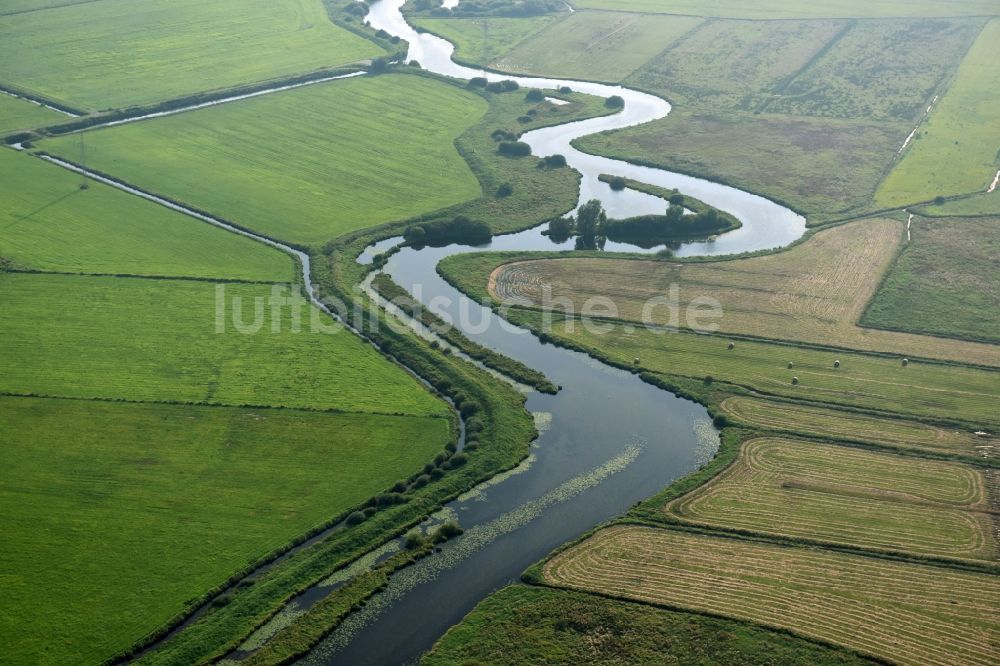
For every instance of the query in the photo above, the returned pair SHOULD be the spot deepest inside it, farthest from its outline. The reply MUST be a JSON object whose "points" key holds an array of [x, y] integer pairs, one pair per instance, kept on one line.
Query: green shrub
{"points": [[514, 149]]}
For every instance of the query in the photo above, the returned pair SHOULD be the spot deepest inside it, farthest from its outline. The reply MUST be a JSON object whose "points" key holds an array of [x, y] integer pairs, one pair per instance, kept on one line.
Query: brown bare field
{"points": [[814, 293], [904, 612], [837, 494], [824, 422]]}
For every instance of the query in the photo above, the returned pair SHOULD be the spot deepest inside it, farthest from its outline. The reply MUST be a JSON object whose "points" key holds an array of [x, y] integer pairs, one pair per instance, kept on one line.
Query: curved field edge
{"points": [[907, 612], [505, 435], [857, 427], [752, 365], [814, 293], [521, 624], [507, 429], [833, 494]]}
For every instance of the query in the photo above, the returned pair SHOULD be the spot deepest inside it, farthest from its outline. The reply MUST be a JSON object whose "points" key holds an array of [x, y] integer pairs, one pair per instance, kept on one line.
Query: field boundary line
{"points": [[669, 509], [774, 341], [137, 276], [223, 405], [825, 49]]}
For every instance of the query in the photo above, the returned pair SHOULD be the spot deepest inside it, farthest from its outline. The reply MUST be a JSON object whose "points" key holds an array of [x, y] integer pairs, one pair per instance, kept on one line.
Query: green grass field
{"points": [[117, 53], [591, 45], [785, 9], [836, 494], [305, 165], [156, 340], [48, 223], [944, 281], [934, 390], [18, 114], [530, 625], [20, 6], [955, 150], [115, 516], [820, 422], [985, 203], [484, 41], [909, 614]]}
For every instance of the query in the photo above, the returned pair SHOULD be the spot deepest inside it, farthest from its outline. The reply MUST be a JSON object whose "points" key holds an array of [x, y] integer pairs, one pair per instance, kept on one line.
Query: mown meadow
{"points": [[137, 509], [835, 494], [120, 53], [305, 165], [19, 114], [824, 422], [815, 292], [49, 223], [907, 613]]}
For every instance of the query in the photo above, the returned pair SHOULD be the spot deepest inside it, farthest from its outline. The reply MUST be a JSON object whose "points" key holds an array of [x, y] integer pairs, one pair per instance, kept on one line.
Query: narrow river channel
{"points": [[608, 439]]}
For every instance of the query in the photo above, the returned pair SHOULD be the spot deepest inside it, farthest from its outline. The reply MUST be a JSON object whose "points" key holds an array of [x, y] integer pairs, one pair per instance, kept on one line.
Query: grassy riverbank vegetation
{"points": [[50, 224], [944, 281], [118, 498], [521, 625], [303, 165], [516, 192], [74, 54], [484, 41], [871, 382]]}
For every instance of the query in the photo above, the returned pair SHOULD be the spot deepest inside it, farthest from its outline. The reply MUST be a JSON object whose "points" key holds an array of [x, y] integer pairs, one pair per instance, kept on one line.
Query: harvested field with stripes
{"points": [[909, 613], [823, 422], [815, 292], [837, 494]]}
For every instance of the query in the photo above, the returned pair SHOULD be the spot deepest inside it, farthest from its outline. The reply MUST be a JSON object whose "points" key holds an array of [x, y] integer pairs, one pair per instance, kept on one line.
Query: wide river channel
{"points": [[608, 439]]}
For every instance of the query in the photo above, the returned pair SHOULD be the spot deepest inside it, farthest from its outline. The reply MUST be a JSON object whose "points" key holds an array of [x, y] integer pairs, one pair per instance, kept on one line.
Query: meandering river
{"points": [[608, 439]]}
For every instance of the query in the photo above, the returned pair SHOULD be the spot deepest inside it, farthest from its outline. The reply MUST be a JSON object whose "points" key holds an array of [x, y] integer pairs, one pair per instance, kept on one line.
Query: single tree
{"points": [[590, 219]]}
